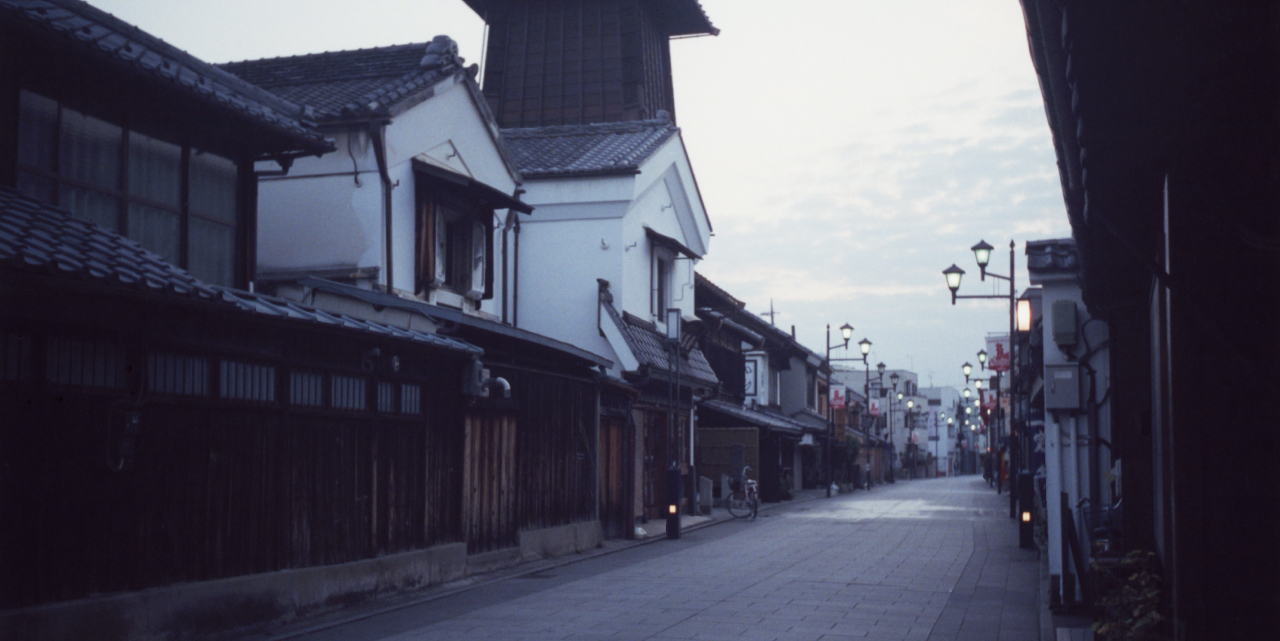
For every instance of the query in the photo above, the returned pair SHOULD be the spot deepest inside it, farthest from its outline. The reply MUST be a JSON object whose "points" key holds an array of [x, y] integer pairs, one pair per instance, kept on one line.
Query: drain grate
{"points": [[541, 574]]}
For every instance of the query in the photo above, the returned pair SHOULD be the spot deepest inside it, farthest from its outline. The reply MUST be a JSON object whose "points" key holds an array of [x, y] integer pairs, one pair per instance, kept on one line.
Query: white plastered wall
{"points": [[321, 216], [590, 228], [1067, 466]]}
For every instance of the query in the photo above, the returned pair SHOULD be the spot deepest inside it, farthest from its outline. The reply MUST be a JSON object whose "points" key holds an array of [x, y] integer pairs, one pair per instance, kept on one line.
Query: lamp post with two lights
{"points": [[953, 274], [846, 332], [865, 346]]}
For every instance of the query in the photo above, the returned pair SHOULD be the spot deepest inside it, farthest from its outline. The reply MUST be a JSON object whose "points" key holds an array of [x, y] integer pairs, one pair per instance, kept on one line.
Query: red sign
{"points": [[837, 398], [998, 353]]}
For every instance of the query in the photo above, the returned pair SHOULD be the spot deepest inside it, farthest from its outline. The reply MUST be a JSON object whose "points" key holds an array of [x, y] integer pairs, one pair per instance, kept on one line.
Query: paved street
{"points": [[927, 560]]}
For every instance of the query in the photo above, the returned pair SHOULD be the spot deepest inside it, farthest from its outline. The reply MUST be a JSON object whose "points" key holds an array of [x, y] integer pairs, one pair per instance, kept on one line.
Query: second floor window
{"points": [[174, 200], [663, 260], [453, 244]]}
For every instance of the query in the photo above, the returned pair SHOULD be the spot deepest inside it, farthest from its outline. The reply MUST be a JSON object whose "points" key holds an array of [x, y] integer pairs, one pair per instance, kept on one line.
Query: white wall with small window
{"points": [[445, 232]]}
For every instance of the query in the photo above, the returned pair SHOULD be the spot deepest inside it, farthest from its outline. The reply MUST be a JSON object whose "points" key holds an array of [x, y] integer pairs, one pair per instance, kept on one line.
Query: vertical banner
{"points": [[837, 397], [998, 357]]}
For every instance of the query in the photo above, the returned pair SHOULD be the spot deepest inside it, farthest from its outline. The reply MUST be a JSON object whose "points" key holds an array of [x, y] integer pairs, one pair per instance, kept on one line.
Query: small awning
{"points": [[487, 195], [669, 243]]}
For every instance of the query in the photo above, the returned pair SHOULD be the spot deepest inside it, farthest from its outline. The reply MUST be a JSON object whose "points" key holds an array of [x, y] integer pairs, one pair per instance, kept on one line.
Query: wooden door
{"points": [[489, 492], [616, 519]]}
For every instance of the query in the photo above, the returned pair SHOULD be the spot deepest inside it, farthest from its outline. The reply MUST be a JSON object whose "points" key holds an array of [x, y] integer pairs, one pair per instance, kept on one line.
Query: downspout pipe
{"points": [[513, 221], [377, 133], [515, 285]]}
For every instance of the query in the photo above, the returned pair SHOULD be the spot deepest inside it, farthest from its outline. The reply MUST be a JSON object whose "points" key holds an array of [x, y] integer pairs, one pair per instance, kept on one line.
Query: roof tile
{"points": [[616, 147], [37, 238], [106, 36], [351, 83], [650, 349]]}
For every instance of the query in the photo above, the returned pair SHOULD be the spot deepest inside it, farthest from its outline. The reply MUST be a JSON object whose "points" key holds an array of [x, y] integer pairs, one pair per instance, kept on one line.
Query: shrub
{"points": [[1128, 598]]}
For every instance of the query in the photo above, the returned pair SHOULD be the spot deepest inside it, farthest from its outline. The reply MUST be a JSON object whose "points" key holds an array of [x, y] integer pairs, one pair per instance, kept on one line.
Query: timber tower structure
{"points": [[577, 62]]}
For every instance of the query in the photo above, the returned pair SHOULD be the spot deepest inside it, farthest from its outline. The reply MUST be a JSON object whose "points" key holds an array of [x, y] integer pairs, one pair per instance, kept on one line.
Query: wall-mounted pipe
{"points": [[378, 135]]}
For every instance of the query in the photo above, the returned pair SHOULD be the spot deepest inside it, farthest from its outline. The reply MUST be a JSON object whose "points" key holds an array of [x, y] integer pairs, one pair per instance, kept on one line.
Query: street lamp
{"points": [[982, 358], [909, 424], [846, 332], [880, 374], [967, 368], [953, 274], [893, 380], [865, 346]]}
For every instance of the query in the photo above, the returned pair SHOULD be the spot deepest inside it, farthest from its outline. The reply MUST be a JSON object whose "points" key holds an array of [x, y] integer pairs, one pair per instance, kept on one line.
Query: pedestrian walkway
{"points": [[923, 560]]}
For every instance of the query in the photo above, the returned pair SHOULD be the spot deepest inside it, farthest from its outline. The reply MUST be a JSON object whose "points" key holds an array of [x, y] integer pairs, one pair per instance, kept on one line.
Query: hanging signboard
{"points": [[998, 353], [874, 404], [837, 397]]}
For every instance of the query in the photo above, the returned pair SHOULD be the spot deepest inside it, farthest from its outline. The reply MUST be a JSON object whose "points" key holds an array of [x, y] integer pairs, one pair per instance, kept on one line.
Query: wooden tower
{"points": [[572, 62]]}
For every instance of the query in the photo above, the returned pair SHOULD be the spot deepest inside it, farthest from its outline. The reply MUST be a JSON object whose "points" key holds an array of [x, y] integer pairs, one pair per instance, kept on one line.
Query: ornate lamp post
{"points": [[846, 331], [880, 386], [865, 346], [893, 380], [953, 274], [910, 425]]}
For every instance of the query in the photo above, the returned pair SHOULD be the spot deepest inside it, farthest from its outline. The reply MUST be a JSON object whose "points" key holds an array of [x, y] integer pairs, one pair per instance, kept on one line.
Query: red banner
{"points": [[998, 353]]}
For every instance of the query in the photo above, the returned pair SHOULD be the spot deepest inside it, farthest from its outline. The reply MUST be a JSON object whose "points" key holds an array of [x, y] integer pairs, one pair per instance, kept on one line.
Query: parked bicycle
{"points": [[744, 496]]}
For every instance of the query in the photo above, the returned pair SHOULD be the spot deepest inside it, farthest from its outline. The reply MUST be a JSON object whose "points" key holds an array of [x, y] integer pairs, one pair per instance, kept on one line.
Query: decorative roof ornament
{"points": [[441, 54]]}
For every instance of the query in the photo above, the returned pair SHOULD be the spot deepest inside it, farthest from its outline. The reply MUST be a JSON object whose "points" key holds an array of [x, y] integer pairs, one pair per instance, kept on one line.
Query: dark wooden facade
{"points": [[232, 466], [568, 62], [618, 461], [1164, 124]]}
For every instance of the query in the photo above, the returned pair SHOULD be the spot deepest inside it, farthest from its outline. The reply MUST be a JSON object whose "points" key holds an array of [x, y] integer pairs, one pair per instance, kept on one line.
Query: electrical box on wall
{"points": [[1062, 387]]}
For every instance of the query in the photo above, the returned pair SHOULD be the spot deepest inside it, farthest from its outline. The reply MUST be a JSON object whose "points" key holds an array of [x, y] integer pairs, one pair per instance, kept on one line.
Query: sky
{"points": [[847, 151]]}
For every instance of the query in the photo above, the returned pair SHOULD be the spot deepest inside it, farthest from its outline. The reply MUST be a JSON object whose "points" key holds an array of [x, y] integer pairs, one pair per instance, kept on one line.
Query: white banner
{"points": [[837, 397], [998, 353]]}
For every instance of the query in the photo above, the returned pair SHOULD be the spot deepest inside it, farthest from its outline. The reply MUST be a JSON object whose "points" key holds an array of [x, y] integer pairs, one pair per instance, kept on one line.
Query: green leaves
{"points": [[1128, 598]]}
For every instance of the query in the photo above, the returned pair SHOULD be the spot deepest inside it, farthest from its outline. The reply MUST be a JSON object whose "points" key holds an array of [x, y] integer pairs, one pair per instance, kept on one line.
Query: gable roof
{"points": [[360, 83], [650, 350], [36, 238], [93, 32], [578, 150]]}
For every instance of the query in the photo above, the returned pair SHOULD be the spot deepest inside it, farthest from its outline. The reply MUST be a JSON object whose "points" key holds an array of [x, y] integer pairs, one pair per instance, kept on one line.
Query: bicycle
{"points": [[744, 496]]}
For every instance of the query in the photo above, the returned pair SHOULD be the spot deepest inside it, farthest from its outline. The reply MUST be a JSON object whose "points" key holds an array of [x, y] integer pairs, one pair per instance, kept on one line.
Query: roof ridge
{"points": [[621, 126], [422, 45]]}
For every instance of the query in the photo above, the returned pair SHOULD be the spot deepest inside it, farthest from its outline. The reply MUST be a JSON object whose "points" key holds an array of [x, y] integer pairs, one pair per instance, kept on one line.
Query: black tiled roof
{"points": [[343, 84], [37, 238], [380, 300], [1048, 256], [615, 147], [758, 418], [102, 35], [649, 348]]}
